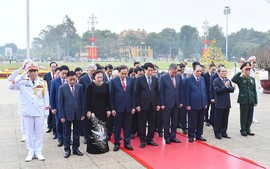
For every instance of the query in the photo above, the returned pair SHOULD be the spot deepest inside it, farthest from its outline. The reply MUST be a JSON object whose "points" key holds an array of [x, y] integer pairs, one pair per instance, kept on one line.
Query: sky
{"points": [[119, 15]]}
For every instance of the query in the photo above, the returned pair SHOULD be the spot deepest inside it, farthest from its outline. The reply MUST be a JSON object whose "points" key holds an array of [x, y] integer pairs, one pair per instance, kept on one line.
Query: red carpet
{"points": [[187, 156]]}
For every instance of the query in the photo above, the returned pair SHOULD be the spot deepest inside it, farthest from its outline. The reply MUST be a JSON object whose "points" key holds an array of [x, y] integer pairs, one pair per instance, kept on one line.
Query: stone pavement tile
{"points": [[59, 166], [102, 161], [9, 165], [9, 155], [111, 166], [33, 164], [132, 165]]}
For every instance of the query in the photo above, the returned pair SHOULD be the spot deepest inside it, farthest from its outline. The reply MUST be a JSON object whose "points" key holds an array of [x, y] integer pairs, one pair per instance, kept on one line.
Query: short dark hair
{"points": [[147, 65], [53, 63], [64, 67], [212, 65], [78, 69], [98, 66], [71, 73], [182, 65], [109, 66], [58, 68], [122, 67], [98, 72], [137, 69], [131, 70], [136, 62], [194, 64], [173, 66], [202, 66]]}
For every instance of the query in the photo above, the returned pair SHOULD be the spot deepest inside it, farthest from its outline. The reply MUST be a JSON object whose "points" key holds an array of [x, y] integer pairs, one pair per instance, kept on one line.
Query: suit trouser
{"points": [[184, 118], [221, 121], [34, 133], [195, 123], [135, 124], [170, 117], [149, 116], [246, 115], [67, 134], [125, 119], [23, 128], [109, 125], [59, 128], [159, 121]]}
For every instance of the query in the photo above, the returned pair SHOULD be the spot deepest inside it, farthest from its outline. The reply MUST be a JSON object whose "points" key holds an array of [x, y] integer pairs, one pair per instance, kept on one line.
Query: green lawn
{"points": [[72, 65]]}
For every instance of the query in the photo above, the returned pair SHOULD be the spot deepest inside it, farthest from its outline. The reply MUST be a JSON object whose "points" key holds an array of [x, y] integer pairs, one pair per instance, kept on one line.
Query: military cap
{"points": [[245, 65]]}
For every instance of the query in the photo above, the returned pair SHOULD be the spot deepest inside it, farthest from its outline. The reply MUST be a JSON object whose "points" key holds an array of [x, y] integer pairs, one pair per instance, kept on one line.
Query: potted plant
{"points": [[262, 54]]}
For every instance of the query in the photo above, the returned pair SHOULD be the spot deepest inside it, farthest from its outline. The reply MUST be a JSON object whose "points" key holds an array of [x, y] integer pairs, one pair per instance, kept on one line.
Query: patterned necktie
{"points": [[149, 83], [33, 83], [72, 91], [173, 82], [123, 85]]}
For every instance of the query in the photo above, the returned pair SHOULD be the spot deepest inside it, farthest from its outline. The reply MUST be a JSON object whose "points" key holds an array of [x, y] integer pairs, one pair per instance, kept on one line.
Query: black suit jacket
{"points": [[48, 78], [71, 107], [85, 81], [207, 83], [222, 94], [211, 87], [143, 95]]}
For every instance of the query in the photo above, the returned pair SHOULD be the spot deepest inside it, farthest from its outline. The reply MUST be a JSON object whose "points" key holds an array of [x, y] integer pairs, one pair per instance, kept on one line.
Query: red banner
{"points": [[206, 42], [93, 52], [92, 39]]}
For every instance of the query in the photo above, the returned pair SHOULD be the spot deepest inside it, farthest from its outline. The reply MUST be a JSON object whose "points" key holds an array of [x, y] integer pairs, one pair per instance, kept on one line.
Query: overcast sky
{"points": [[118, 15]]}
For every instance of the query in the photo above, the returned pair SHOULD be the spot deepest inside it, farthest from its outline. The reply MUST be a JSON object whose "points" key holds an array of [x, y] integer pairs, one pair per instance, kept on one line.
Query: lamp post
{"points": [[93, 21], [227, 11], [27, 31]]}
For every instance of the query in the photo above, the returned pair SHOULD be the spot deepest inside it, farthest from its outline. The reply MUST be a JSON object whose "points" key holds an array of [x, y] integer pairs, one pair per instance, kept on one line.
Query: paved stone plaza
{"points": [[13, 152]]}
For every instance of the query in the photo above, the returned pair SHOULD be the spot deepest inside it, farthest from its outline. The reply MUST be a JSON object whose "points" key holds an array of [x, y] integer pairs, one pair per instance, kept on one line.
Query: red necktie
{"points": [[72, 91], [52, 75], [64, 81], [123, 85]]}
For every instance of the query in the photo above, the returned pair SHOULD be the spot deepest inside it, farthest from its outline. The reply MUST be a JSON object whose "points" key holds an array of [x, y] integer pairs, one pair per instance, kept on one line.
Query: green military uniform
{"points": [[247, 98]]}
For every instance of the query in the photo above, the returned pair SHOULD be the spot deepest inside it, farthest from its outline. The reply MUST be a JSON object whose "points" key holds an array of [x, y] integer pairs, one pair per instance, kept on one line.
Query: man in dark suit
{"points": [[122, 104], [222, 89], [71, 111], [48, 77], [85, 81], [108, 73], [55, 84], [147, 103], [135, 122], [207, 77], [196, 103], [170, 101]]}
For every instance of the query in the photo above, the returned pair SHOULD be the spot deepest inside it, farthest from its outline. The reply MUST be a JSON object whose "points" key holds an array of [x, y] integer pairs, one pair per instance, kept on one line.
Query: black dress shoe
{"points": [[178, 126], [151, 143], [128, 147], [48, 130], [250, 134], [201, 138], [185, 132], [132, 136], [218, 137], [54, 136], [208, 124], [116, 147], [67, 154], [60, 144], [190, 140], [160, 134], [142, 145], [175, 140], [78, 152], [120, 138], [244, 134], [226, 136], [168, 141]]}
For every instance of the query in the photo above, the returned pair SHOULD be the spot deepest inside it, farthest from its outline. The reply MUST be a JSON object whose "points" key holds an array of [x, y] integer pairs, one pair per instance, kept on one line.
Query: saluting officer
{"points": [[247, 97], [34, 102]]}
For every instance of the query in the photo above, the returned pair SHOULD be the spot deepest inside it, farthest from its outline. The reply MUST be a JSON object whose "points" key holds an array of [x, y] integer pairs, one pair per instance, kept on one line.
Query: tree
{"points": [[189, 41], [168, 42], [213, 54], [130, 41], [215, 33], [262, 54], [152, 40]]}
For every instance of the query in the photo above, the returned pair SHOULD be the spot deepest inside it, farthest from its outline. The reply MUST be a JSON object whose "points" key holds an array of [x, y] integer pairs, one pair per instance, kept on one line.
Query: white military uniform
{"points": [[255, 74], [10, 78], [34, 100]]}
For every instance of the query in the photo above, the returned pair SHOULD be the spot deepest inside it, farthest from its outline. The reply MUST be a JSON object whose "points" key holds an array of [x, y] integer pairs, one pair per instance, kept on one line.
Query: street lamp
{"points": [[93, 21], [27, 31], [227, 11]]}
